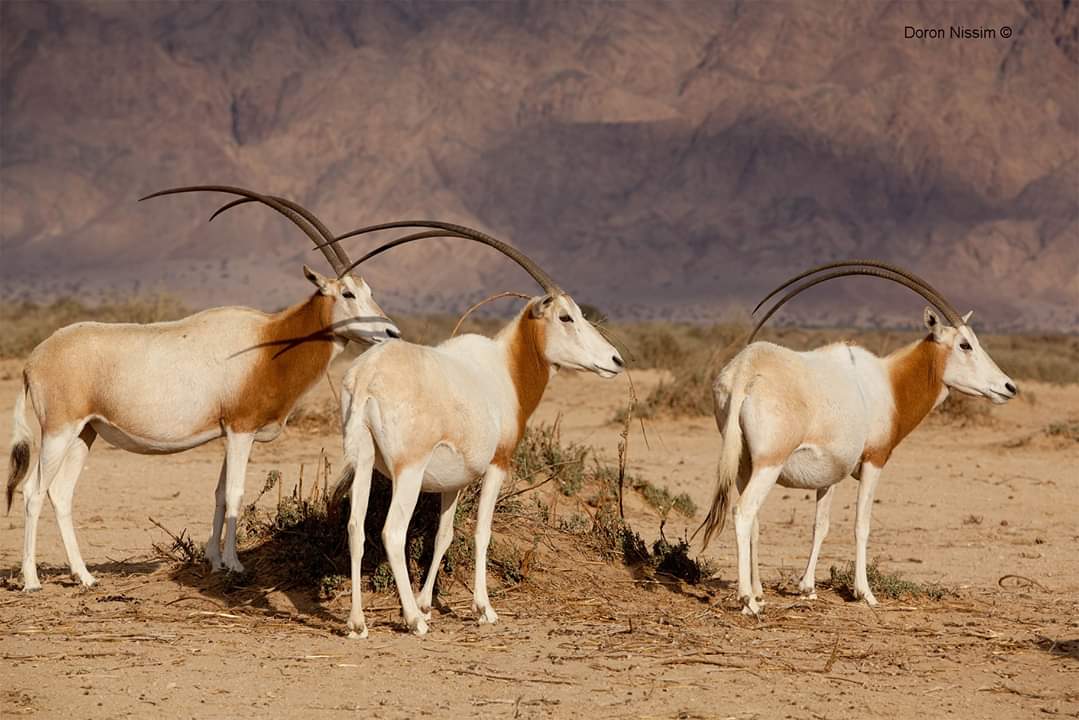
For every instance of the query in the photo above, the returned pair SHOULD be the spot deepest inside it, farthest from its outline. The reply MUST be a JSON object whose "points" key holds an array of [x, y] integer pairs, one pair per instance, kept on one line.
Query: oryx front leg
{"points": [[820, 530], [237, 451], [61, 492], [492, 484], [406, 490], [866, 488], [213, 545], [745, 517], [443, 538], [54, 448]]}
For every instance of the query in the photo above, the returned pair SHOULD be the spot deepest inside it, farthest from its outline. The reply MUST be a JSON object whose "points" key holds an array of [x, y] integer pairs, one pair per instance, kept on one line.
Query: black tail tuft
{"points": [[20, 463], [342, 486]]}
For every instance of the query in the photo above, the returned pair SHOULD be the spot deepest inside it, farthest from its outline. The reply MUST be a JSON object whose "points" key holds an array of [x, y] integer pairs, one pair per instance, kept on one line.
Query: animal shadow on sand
{"points": [[306, 559]]}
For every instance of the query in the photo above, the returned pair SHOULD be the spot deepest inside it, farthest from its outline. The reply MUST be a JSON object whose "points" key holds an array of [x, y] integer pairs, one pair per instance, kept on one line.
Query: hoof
{"points": [[31, 588], [751, 607], [485, 615], [87, 580], [418, 627], [234, 566], [357, 628]]}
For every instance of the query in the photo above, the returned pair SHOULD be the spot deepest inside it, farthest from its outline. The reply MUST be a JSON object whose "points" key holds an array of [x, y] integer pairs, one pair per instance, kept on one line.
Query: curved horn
{"points": [[229, 205], [293, 211], [529, 266], [328, 241], [855, 263], [885, 274]]}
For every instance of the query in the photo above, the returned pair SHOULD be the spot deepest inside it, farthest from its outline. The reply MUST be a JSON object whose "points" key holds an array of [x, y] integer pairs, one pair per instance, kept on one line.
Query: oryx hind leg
{"points": [[407, 482], [54, 447], [749, 504], [62, 491], [213, 545]]}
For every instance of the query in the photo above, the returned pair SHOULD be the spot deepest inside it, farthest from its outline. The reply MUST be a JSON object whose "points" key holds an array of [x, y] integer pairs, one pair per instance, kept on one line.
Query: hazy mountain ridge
{"points": [[660, 159]]}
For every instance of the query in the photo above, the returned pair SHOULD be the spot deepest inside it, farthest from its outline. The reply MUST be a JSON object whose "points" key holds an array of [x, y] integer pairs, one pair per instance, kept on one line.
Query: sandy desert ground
{"points": [[962, 506]]}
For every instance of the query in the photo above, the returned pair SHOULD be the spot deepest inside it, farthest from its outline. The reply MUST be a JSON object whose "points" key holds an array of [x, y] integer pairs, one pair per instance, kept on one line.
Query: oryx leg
{"points": [[360, 451], [820, 530], [754, 543], [443, 538], [237, 451], [760, 484], [61, 492], [492, 484], [213, 545], [755, 566], [866, 487], [407, 482], [54, 447]]}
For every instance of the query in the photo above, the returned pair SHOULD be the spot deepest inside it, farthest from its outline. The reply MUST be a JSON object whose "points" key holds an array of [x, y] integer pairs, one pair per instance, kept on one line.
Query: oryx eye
{"points": [[965, 346], [565, 318], [348, 294]]}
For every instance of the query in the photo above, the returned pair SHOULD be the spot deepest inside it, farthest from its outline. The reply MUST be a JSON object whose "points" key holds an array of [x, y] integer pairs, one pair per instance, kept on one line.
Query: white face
{"points": [[573, 342], [356, 315], [969, 369]]}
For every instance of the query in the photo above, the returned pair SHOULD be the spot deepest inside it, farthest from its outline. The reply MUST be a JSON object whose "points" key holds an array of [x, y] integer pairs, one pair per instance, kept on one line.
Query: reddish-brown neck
{"points": [[294, 349], [916, 373], [529, 372]]}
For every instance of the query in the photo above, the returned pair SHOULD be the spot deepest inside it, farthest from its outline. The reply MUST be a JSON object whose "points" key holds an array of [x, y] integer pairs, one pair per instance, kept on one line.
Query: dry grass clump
{"points": [[883, 584], [963, 410], [28, 323], [1064, 430], [303, 540]]}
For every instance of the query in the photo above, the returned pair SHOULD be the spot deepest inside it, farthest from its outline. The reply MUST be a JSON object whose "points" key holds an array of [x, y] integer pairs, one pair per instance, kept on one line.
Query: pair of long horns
{"points": [[336, 255], [299, 215], [846, 268]]}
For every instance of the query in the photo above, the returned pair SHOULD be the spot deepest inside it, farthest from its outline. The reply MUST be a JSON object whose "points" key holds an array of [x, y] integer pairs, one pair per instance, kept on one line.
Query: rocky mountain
{"points": [[660, 159]]}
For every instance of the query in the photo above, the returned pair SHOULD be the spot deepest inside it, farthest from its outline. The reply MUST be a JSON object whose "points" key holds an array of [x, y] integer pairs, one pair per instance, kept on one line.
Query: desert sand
{"points": [[963, 506]]}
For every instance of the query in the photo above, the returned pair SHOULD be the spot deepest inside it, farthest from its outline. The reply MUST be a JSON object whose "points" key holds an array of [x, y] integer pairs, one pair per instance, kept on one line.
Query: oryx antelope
{"points": [[809, 419], [435, 419], [170, 386]]}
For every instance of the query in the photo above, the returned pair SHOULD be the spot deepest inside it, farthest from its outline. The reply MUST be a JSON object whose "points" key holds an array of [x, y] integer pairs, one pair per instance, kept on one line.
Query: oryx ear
{"points": [[315, 279], [966, 318], [539, 307], [932, 322]]}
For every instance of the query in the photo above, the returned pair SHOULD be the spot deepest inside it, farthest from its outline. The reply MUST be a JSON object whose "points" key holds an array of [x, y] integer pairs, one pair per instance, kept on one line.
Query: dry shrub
{"points": [[303, 541], [883, 584], [963, 411]]}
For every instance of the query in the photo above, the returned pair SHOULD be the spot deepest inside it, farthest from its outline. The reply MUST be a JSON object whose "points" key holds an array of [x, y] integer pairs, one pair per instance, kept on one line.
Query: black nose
{"points": [[618, 361], [393, 332], [1011, 388]]}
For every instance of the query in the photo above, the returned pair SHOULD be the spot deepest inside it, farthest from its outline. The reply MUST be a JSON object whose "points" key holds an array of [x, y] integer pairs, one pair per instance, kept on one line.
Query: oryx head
{"points": [[969, 369], [355, 314], [569, 340]]}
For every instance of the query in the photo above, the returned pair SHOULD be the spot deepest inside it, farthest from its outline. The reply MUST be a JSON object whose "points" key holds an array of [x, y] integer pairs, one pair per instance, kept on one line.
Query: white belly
{"points": [[447, 471], [151, 446], [811, 467]]}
